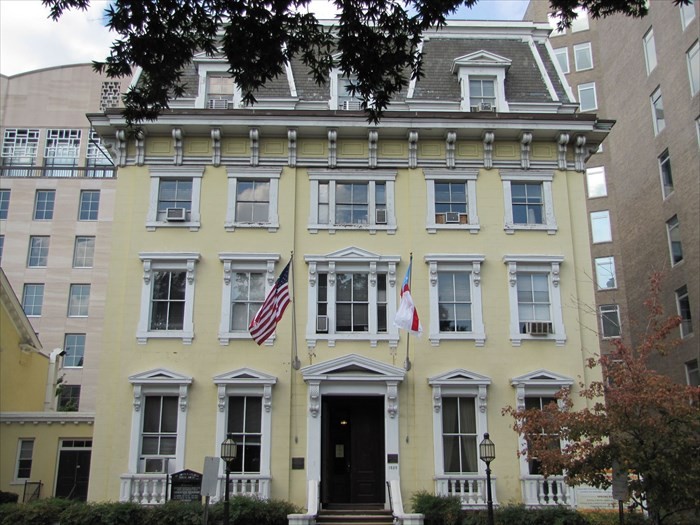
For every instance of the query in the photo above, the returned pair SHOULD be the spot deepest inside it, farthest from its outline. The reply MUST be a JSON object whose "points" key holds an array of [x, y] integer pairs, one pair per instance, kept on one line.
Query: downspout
{"points": [[51, 378]]}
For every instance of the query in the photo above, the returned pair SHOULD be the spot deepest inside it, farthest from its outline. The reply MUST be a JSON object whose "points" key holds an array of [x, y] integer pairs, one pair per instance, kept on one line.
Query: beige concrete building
{"points": [[56, 211], [644, 185]]}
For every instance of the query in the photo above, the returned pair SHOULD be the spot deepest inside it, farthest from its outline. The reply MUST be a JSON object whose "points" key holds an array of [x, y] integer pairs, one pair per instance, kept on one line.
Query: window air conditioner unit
{"points": [[219, 103], [538, 328], [322, 323], [175, 214], [487, 106], [452, 217], [350, 105], [473, 108], [380, 216], [153, 465]]}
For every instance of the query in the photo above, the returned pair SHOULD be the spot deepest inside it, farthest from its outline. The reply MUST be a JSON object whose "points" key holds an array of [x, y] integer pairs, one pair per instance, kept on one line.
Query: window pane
{"points": [[253, 414], [587, 97], [595, 180], [151, 414], [89, 205], [44, 204], [605, 273], [600, 226]]}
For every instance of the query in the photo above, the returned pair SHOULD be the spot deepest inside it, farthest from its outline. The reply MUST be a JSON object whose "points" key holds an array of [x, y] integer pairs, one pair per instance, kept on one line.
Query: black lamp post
{"points": [[229, 451], [487, 453]]}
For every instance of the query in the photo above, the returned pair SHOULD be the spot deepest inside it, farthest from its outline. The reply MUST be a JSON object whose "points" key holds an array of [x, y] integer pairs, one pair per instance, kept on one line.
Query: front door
{"points": [[73, 474], [352, 463]]}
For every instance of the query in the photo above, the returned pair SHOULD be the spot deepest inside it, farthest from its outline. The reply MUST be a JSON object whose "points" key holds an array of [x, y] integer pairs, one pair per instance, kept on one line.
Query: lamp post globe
{"points": [[229, 452], [487, 453]]}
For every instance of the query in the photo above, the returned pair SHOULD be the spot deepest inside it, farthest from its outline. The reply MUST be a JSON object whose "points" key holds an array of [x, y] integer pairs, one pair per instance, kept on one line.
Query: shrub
{"points": [[175, 513], [438, 510], [8, 497], [40, 512], [105, 514]]}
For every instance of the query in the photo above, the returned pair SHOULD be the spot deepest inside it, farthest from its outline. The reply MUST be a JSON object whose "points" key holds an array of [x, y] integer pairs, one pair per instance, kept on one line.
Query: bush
{"points": [[175, 513], [105, 514], [438, 510], [8, 497], [247, 510], [40, 512]]}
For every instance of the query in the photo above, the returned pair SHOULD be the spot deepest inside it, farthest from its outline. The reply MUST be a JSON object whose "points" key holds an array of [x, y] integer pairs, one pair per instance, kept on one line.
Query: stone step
{"points": [[354, 516]]}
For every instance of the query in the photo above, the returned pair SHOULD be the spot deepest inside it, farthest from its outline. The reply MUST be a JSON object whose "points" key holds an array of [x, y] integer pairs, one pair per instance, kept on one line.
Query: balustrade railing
{"points": [[470, 489], [147, 489], [251, 485], [93, 172], [541, 491]]}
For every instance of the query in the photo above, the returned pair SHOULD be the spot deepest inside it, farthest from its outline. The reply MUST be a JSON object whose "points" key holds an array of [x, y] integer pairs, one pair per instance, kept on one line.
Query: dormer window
{"points": [[220, 92], [482, 77], [216, 89], [340, 96]]}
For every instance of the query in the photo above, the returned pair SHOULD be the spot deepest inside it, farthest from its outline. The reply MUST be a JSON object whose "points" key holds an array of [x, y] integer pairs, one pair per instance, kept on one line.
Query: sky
{"points": [[29, 40]]}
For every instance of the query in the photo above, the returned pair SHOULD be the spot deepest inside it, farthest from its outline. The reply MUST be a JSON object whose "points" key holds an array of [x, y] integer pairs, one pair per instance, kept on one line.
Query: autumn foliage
{"points": [[636, 416]]}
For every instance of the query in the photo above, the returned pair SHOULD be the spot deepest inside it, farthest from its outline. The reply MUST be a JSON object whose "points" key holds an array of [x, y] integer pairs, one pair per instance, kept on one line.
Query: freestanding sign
{"points": [[186, 485], [210, 479]]}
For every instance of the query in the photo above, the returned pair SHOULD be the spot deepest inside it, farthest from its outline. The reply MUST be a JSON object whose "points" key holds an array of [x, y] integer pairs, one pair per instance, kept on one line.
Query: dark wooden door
{"points": [[73, 474], [353, 450]]}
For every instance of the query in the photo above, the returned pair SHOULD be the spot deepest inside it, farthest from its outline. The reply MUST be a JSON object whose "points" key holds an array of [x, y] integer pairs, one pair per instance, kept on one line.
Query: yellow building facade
{"points": [[212, 203]]}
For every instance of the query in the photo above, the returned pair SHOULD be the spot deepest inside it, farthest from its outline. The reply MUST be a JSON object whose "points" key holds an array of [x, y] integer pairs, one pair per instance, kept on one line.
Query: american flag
{"points": [[270, 313]]}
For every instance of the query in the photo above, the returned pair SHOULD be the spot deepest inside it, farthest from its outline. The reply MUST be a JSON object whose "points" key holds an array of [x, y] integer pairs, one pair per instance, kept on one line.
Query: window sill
{"points": [[371, 228], [478, 338], [471, 228], [186, 337], [153, 226], [373, 339], [271, 227], [516, 340], [510, 229], [226, 337]]}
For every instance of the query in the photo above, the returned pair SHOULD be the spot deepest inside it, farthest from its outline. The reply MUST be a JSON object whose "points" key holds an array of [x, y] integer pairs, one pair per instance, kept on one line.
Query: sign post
{"points": [[209, 482], [620, 489]]}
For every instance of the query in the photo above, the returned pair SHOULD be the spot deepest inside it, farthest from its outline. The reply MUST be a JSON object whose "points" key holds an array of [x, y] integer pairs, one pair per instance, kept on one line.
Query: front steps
{"points": [[354, 515]]}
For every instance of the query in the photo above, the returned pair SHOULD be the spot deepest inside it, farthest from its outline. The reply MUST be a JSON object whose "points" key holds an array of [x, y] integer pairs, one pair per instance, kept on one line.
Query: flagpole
{"points": [[407, 362], [296, 364]]}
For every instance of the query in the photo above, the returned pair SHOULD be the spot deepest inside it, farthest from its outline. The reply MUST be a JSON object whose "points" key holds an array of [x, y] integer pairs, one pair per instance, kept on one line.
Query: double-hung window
{"points": [[692, 373], [158, 421], [657, 111], [562, 56], [610, 321], [535, 298], [25, 456], [665, 173], [605, 276], [352, 200], [221, 91], [33, 299], [38, 251], [649, 50], [78, 300], [481, 76], [528, 201], [167, 296], [89, 206], [19, 151], [600, 226], [455, 298], [482, 93], [587, 98], [74, 346], [683, 305], [244, 423], [693, 58], [68, 398], [341, 98], [44, 202], [595, 182], [61, 152], [174, 197], [451, 200], [673, 229], [253, 196], [248, 277], [352, 295], [84, 252], [583, 56], [687, 13]]}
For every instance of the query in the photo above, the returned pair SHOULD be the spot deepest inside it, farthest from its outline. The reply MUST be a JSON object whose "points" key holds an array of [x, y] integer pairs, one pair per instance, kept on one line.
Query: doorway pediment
{"points": [[352, 367]]}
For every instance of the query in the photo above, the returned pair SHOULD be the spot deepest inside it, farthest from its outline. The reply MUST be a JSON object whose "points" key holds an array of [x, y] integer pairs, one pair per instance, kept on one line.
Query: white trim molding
{"points": [[467, 176], [482, 64], [549, 223], [236, 174], [158, 173]]}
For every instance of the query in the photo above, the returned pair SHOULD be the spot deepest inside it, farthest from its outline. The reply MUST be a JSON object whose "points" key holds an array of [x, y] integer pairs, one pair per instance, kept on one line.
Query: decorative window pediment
{"points": [[160, 376], [480, 58], [460, 377], [542, 377], [244, 376]]}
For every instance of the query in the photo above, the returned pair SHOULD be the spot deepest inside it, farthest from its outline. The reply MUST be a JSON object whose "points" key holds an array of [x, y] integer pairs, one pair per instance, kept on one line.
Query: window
{"points": [[352, 296], [583, 56], [580, 23], [451, 200], [84, 252], [19, 148], [25, 453], [539, 403], [74, 346], [245, 402], [554, 25], [33, 299], [459, 422], [167, 296], [649, 50], [2, 246], [481, 76], [683, 305], [674, 240], [89, 205], [68, 398], [4, 203], [692, 373], [595, 182], [78, 300], [248, 277], [455, 298], [657, 111], [99, 161], [693, 57], [352, 200], [221, 92], [252, 197], [38, 251], [159, 421], [340, 94], [174, 197], [528, 201], [159, 434], [600, 226], [482, 93], [666, 174], [562, 56], [605, 273], [62, 151], [44, 201], [687, 14], [535, 298], [610, 321], [587, 97]]}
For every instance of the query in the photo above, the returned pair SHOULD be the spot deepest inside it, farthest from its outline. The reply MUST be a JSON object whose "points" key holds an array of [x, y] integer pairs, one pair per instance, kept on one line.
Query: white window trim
{"points": [[601, 213], [458, 383], [588, 85], [159, 173], [539, 383], [614, 275], [15, 479], [669, 229], [657, 95], [213, 66], [563, 51], [158, 382], [600, 318], [169, 261], [469, 176], [485, 65], [334, 75], [234, 175], [352, 260], [460, 263], [533, 177], [694, 88], [551, 265], [585, 45], [590, 174], [685, 11], [243, 262], [246, 382], [352, 176], [649, 44], [70, 297]]}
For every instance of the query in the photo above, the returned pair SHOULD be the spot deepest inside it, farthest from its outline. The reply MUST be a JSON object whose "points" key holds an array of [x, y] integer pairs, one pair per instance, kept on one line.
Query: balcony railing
{"points": [[470, 489], [93, 172], [250, 485], [542, 492]]}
